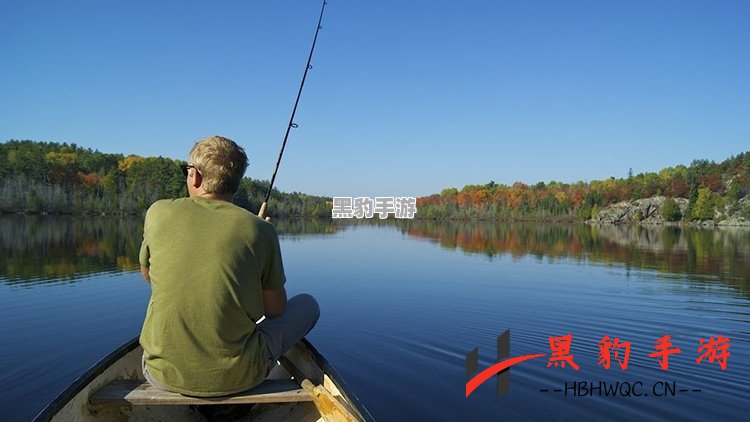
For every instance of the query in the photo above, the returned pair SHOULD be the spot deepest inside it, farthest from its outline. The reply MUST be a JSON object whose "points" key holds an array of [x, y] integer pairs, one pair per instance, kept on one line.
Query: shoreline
{"points": [[561, 220], [680, 224]]}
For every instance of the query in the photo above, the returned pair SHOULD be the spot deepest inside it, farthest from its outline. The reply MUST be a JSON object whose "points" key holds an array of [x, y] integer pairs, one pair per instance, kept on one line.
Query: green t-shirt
{"points": [[208, 261]]}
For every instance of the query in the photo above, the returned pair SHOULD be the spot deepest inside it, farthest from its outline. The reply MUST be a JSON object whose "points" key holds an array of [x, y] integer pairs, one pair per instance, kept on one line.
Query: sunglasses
{"points": [[186, 167]]}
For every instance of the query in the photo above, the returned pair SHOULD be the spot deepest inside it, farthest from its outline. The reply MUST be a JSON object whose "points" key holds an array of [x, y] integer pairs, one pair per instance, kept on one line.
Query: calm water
{"points": [[402, 305]]}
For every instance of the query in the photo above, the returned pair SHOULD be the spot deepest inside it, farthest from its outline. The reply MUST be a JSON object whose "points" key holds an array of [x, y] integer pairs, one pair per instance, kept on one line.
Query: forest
{"points": [[707, 185], [61, 178]]}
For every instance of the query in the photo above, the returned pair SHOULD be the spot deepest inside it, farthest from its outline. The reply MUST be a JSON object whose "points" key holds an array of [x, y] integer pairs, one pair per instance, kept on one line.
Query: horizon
{"points": [[404, 99]]}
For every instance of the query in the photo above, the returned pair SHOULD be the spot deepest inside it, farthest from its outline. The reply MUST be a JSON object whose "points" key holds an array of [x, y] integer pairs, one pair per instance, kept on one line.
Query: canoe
{"points": [[302, 387]]}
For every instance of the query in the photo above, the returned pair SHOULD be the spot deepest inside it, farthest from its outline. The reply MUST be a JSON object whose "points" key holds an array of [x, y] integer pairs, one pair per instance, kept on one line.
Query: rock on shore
{"points": [[650, 213]]}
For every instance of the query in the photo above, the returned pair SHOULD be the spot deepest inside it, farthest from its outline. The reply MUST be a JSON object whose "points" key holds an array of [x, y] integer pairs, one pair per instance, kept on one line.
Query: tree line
{"points": [[55, 178], [707, 185]]}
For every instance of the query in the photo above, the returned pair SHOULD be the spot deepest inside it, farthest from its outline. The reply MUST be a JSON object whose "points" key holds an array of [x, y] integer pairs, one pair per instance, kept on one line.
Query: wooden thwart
{"points": [[140, 392]]}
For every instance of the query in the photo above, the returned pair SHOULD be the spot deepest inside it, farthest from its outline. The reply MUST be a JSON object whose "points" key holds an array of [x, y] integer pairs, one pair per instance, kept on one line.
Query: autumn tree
{"points": [[704, 205]]}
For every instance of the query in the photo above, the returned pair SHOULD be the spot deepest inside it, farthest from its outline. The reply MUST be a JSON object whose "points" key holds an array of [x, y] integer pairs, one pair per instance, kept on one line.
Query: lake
{"points": [[402, 303]]}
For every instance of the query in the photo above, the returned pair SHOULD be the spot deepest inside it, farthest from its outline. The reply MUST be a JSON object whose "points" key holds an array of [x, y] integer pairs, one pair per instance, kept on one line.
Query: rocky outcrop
{"points": [[643, 211], [729, 218], [648, 212]]}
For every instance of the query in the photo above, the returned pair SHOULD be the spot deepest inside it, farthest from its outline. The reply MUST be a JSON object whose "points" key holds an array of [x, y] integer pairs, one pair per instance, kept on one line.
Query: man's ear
{"points": [[197, 179]]}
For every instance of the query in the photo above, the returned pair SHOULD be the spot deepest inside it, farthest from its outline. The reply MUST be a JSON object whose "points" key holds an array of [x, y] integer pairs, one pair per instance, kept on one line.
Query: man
{"points": [[215, 270]]}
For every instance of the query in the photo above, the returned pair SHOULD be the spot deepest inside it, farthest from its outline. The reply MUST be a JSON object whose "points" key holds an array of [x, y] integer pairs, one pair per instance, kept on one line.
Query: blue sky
{"points": [[405, 98]]}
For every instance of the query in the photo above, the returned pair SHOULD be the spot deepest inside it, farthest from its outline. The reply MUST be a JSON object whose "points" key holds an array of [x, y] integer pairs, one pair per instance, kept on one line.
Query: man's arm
{"points": [[144, 273], [272, 277], [274, 302]]}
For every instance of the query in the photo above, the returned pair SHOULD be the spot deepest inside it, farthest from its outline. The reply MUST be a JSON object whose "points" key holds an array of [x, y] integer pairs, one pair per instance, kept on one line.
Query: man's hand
{"points": [[274, 302], [144, 273]]}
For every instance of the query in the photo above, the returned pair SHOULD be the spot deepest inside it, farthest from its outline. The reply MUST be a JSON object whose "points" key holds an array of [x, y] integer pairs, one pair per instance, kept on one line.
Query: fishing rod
{"points": [[291, 125]]}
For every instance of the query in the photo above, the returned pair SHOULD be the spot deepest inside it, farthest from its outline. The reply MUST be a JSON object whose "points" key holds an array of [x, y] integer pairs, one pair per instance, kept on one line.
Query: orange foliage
{"points": [[91, 179], [712, 182]]}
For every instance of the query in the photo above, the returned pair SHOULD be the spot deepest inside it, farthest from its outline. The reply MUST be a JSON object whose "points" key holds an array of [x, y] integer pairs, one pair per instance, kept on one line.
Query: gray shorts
{"points": [[281, 333], [148, 377]]}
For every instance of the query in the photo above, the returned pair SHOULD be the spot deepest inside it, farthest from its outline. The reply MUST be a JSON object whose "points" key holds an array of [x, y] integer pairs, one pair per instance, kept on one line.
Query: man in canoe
{"points": [[215, 271]]}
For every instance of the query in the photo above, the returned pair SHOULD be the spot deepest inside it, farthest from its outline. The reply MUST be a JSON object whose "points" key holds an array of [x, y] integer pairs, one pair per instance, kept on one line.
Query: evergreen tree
{"points": [[670, 210]]}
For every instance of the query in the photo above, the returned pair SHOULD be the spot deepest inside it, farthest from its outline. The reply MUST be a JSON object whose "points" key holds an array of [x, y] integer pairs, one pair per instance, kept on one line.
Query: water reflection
{"points": [[723, 252], [42, 249], [289, 228]]}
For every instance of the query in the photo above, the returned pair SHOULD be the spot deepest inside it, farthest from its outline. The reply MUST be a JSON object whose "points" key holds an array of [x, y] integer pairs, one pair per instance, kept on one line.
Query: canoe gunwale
{"points": [[82, 381], [338, 380]]}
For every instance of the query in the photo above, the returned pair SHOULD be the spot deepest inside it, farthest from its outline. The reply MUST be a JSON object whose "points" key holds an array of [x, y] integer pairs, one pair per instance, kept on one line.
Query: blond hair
{"points": [[221, 163]]}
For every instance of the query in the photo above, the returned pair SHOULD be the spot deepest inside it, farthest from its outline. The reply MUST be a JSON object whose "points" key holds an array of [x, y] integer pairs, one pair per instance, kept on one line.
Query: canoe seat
{"points": [[141, 392]]}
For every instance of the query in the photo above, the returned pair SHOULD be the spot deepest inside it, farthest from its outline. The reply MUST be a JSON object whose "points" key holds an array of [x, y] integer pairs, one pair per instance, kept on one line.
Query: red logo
{"points": [[715, 350]]}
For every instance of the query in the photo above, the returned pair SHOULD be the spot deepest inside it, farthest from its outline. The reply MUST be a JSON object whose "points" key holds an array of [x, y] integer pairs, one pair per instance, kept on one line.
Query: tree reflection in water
{"points": [[722, 252], [44, 249]]}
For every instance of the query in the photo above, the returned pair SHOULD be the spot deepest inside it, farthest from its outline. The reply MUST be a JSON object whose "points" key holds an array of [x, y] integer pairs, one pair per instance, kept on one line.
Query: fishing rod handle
{"points": [[262, 212]]}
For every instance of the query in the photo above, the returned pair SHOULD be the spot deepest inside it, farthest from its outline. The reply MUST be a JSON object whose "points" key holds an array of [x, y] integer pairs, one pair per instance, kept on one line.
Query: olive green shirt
{"points": [[208, 261]]}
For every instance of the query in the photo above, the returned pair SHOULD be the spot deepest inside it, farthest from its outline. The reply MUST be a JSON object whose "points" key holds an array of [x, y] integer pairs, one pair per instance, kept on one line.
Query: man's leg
{"points": [[280, 333]]}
